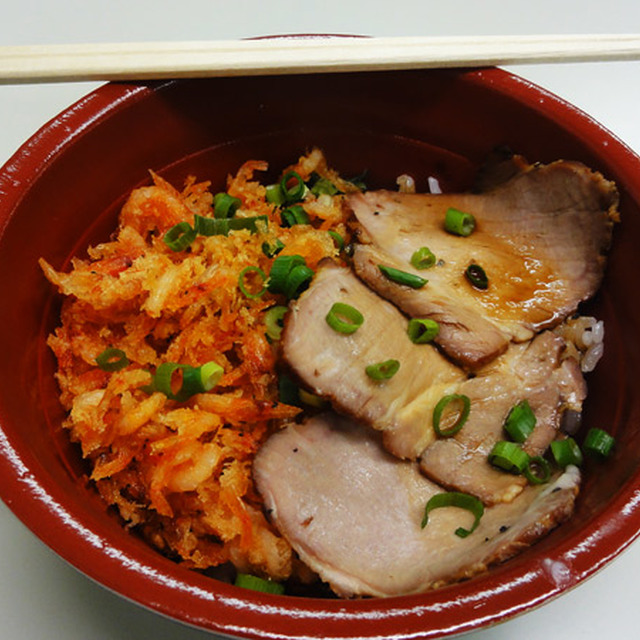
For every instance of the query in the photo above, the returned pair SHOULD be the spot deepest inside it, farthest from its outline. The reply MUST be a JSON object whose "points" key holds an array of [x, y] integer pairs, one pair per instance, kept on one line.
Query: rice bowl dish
{"points": [[192, 150]]}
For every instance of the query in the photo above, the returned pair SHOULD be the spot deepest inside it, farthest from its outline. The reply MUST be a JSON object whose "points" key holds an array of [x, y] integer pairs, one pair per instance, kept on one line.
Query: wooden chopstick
{"points": [[297, 54]]}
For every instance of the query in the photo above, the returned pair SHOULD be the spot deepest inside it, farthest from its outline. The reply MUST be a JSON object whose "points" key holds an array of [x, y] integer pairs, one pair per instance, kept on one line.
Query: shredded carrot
{"points": [[180, 472]]}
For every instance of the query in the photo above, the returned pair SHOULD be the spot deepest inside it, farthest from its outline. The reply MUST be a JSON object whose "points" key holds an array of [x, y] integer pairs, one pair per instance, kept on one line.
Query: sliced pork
{"points": [[353, 512], [333, 365], [535, 371], [540, 238]]}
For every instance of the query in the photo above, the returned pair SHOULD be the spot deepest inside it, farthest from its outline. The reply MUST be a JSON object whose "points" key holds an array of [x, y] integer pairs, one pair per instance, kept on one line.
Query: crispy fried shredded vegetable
{"points": [[180, 472]]}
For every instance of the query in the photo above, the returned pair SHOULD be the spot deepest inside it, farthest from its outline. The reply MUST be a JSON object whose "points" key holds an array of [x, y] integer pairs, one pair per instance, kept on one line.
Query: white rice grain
{"points": [[434, 185]]}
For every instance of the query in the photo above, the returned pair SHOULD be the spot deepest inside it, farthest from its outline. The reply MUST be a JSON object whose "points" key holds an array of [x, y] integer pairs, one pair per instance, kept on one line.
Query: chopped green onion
{"points": [[288, 391], [112, 359], [247, 581], [243, 287], [456, 499], [423, 258], [566, 452], [273, 248], [319, 186], [210, 374], [509, 456], [274, 194], [383, 370], [359, 180], [273, 321], [338, 239], [225, 206], [402, 277], [294, 215], [180, 236], [292, 192], [151, 387], [520, 421], [194, 379], [163, 380], [311, 399], [222, 226], [598, 443], [280, 270], [537, 470], [477, 277], [298, 280], [344, 318], [422, 330], [458, 222], [460, 410]]}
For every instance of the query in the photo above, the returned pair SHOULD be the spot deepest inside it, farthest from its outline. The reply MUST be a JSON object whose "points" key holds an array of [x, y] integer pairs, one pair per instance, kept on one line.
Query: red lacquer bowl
{"points": [[61, 191]]}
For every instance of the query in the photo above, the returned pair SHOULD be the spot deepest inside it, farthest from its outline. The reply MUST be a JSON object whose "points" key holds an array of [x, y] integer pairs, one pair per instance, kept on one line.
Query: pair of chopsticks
{"points": [[287, 55]]}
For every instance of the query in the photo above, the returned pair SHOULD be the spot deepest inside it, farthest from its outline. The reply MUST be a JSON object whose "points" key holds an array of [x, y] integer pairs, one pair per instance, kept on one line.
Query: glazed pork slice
{"points": [[540, 237], [535, 371], [353, 512], [333, 365]]}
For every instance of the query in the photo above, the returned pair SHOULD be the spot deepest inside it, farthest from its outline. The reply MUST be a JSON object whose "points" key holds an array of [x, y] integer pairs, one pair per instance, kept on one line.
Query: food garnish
{"points": [[383, 370], [454, 416], [402, 277], [344, 318], [459, 223], [459, 500], [422, 330]]}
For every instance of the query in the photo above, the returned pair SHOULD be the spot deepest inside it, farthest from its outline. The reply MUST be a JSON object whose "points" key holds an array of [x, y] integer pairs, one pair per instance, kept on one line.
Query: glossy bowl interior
{"points": [[62, 191]]}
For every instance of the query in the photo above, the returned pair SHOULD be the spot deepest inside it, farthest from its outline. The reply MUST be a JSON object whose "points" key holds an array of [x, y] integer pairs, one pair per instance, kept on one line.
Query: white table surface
{"points": [[41, 597]]}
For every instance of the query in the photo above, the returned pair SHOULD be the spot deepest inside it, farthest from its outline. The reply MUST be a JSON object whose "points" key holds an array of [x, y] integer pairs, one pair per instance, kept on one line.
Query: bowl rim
{"points": [[163, 586]]}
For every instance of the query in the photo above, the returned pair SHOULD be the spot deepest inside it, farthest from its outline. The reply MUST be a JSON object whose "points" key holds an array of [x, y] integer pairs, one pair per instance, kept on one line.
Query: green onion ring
{"points": [[383, 370], [455, 499], [247, 581], [422, 330], [180, 236], [598, 443], [320, 186], [274, 195], [359, 181], [273, 248], [288, 391], [344, 318], [295, 192], [458, 222], [297, 281], [463, 414], [294, 215], [194, 379], [402, 277], [225, 206], [163, 379], [221, 226], [537, 477], [423, 258], [311, 399], [242, 286], [112, 359], [477, 277], [273, 320], [281, 267], [566, 452], [509, 456], [337, 239], [210, 374], [520, 422]]}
